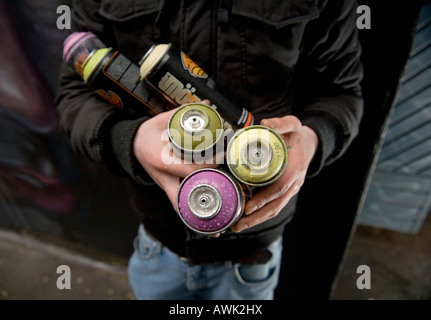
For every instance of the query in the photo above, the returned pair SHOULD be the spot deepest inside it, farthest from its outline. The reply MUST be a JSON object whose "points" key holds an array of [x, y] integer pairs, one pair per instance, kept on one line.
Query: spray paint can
{"points": [[256, 155], [209, 201], [196, 131], [78, 46], [173, 74], [111, 75]]}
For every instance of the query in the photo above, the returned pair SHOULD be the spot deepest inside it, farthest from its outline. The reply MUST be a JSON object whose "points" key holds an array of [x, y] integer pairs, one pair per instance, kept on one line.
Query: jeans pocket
{"points": [[144, 246], [255, 274]]}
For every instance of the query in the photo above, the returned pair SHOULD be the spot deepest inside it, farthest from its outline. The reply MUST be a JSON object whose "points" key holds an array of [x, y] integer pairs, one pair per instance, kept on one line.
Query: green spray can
{"points": [[196, 132]]}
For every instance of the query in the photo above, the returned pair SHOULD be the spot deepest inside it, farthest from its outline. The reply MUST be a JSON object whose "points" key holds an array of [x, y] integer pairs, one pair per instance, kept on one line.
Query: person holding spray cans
{"points": [[295, 65]]}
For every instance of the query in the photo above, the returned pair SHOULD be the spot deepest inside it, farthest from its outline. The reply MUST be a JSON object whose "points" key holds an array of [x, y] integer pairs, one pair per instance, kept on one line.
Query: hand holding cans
{"points": [[209, 201]]}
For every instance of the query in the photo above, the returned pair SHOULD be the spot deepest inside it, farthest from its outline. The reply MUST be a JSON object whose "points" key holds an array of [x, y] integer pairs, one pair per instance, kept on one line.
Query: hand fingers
{"points": [[282, 125], [216, 235], [266, 212], [266, 195], [266, 205]]}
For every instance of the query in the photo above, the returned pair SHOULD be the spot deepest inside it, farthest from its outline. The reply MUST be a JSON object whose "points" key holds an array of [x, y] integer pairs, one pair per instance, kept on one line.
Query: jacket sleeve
{"points": [[328, 97], [96, 129]]}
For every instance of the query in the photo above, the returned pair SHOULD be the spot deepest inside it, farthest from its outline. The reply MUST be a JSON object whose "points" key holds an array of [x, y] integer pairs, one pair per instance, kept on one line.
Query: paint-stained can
{"points": [[210, 201], [111, 75], [196, 131], [256, 155], [180, 80]]}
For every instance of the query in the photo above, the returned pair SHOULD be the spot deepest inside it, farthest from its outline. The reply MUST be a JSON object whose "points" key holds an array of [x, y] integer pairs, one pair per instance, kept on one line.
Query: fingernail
{"points": [[250, 210], [240, 228], [267, 123]]}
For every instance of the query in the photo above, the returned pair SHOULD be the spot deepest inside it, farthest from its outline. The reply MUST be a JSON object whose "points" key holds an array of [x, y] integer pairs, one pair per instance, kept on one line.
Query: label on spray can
{"points": [[196, 131], [114, 77], [111, 75], [181, 81], [209, 201], [256, 155]]}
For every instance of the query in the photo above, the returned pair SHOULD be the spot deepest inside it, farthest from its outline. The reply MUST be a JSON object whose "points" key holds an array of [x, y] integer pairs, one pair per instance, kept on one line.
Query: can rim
{"points": [[239, 194], [147, 65], [188, 151], [88, 75], [259, 184]]}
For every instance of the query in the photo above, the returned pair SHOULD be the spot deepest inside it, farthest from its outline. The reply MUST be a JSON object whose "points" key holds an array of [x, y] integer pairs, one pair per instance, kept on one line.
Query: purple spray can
{"points": [[209, 201]]}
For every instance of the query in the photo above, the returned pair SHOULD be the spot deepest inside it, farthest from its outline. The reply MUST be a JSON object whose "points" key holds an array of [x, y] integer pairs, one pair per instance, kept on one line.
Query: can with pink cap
{"points": [[78, 46]]}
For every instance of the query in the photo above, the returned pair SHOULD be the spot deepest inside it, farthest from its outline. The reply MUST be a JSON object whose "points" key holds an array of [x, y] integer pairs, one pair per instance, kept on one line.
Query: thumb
{"points": [[282, 125], [270, 123]]}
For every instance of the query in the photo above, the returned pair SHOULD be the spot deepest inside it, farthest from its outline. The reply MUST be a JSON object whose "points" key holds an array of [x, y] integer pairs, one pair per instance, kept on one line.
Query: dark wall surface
{"points": [[45, 188]]}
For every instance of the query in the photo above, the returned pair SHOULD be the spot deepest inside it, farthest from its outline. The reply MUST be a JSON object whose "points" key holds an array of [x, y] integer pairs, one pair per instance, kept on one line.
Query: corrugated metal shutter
{"points": [[399, 196]]}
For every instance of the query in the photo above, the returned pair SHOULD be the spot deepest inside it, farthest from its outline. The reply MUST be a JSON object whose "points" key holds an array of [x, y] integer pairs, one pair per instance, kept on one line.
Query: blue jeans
{"points": [[156, 273]]}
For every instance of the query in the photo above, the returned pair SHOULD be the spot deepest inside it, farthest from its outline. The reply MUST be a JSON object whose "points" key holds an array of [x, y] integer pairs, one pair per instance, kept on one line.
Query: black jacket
{"points": [[273, 57]]}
